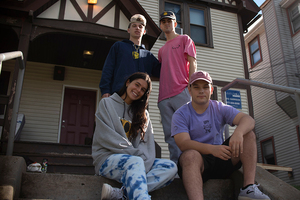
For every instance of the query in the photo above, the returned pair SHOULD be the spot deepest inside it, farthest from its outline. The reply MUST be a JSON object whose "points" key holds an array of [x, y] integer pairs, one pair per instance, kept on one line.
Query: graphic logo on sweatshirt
{"points": [[126, 125], [207, 126]]}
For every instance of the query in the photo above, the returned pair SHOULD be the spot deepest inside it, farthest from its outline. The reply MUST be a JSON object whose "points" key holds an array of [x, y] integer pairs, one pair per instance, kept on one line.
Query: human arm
{"points": [[105, 95], [193, 65], [107, 76], [109, 134], [245, 124], [184, 143]]}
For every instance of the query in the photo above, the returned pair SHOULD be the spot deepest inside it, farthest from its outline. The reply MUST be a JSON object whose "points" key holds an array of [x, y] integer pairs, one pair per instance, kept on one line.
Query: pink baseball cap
{"points": [[200, 75]]}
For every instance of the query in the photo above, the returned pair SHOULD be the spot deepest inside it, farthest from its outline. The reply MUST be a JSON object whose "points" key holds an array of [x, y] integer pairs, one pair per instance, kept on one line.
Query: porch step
{"points": [[62, 158], [87, 187]]}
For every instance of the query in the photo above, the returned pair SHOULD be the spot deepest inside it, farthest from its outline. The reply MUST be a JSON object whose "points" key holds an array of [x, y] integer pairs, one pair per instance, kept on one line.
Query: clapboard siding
{"points": [[270, 119], [42, 98]]}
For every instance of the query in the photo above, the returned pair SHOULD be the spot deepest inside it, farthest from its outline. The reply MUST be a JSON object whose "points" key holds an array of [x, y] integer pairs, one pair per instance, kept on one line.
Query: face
{"points": [[136, 30], [135, 90], [201, 92], [168, 25]]}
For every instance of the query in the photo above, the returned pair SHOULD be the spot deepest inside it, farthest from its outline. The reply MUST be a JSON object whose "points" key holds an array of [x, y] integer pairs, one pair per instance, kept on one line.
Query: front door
{"points": [[78, 116]]}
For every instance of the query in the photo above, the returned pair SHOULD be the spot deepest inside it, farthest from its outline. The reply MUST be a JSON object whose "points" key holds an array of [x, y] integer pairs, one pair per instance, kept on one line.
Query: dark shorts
{"points": [[215, 168]]}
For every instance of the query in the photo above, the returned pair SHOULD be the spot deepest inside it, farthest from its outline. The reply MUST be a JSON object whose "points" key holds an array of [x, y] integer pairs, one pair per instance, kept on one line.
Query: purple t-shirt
{"points": [[207, 127]]}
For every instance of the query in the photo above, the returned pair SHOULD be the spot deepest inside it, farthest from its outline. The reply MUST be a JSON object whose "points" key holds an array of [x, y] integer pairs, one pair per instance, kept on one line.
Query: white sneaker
{"points": [[34, 167], [110, 193], [252, 192]]}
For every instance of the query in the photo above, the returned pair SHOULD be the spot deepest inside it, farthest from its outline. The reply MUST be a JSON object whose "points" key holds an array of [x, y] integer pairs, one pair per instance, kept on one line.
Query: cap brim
{"points": [[198, 79]]}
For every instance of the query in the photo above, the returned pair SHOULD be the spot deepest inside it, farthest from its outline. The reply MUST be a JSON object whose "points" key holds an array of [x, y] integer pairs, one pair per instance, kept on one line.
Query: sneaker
{"points": [[110, 193], [252, 192], [34, 167]]}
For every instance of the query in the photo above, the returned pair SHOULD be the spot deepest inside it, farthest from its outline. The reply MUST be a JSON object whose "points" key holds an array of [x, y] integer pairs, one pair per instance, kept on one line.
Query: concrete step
{"points": [[87, 187], [62, 158]]}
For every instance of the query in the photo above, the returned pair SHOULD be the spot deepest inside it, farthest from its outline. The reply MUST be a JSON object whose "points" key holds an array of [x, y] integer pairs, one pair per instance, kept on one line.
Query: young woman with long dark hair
{"points": [[123, 145]]}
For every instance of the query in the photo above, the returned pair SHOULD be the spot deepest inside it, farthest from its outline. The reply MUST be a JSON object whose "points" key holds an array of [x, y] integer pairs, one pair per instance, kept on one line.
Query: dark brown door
{"points": [[78, 116]]}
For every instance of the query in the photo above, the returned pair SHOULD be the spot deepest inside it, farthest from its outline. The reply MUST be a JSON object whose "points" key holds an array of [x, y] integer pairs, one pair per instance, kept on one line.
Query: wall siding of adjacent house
{"points": [[287, 45], [274, 45], [270, 119]]}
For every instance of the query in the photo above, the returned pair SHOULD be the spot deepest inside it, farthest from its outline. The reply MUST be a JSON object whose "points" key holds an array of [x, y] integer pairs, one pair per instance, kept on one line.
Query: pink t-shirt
{"points": [[174, 74]]}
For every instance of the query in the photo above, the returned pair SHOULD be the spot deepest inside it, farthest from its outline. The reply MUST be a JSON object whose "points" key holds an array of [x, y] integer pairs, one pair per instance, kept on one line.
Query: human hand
{"points": [[221, 151], [236, 144], [105, 95]]}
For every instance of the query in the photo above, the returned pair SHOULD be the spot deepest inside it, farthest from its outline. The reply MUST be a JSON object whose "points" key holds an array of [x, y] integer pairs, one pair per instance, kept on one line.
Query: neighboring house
{"points": [[273, 50], [53, 35]]}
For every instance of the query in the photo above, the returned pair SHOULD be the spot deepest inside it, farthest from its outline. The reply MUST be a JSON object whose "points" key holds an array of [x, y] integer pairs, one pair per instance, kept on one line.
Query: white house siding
{"points": [[270, 119], [42, 98]]}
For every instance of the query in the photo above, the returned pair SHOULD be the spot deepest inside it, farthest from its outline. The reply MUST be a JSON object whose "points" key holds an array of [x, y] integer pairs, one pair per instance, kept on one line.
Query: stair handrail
{"points": [[20, 59], [281, 88]]}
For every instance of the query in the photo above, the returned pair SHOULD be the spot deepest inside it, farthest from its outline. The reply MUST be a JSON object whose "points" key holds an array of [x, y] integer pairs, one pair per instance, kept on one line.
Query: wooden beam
{"points": [[274, 167]]}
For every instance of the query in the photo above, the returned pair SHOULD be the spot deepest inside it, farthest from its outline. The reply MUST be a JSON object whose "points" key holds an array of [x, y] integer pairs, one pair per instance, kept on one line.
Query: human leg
{"points": [[161, 174], [166, 113], [167, 108], [130, 171], [192, 166], [249, 160]]}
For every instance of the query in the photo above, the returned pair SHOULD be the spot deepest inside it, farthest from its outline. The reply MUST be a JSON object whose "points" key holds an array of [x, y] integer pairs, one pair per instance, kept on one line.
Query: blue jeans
{"points": [[130, 171], [167, 108]]}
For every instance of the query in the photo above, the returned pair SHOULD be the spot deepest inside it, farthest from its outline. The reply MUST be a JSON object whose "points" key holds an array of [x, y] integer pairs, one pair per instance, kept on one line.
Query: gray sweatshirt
{"points": [[110, 138]]}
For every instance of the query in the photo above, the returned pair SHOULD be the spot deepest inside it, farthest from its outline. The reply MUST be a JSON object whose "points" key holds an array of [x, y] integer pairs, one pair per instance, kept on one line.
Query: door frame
{"points": [[97, 90]]}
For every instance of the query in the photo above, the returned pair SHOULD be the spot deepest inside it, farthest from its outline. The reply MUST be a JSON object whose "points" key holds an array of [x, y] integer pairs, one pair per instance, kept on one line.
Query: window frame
{"points": [[251, 54], [273, 148], [185, 19], [288, 11]]}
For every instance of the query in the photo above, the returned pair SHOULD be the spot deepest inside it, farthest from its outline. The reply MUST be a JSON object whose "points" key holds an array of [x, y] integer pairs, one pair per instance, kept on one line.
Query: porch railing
{"points": [[291, 90], [18, 88]]}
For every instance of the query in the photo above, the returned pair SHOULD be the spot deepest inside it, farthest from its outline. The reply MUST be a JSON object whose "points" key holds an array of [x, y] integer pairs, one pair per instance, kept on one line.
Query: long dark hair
{"points": [[138, 107]]}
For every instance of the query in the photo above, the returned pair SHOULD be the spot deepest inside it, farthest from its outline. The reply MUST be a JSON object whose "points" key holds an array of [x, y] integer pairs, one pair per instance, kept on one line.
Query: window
{"points": [[294, 16], [193, 20], [255, 52], [268, 151]]}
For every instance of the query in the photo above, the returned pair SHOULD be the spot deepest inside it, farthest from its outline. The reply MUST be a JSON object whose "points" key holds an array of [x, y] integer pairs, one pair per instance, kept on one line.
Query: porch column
{"points": [[13, 99]]}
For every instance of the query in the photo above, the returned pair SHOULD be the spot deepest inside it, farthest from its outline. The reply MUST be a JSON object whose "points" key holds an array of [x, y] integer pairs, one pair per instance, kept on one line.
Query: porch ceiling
{"points": [[67, 50]]}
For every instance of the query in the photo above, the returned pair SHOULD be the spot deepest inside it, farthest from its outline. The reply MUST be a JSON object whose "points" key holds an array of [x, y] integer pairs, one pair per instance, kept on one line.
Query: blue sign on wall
{"points": [[233, 98]]}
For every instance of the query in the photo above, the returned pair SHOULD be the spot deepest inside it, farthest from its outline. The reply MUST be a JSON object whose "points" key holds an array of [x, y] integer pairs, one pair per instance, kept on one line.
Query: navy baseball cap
{"points": [[167, 14]]}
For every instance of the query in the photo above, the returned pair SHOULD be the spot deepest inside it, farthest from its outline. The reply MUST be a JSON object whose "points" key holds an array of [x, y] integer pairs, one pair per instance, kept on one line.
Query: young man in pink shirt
{"points": [[178, 62]]}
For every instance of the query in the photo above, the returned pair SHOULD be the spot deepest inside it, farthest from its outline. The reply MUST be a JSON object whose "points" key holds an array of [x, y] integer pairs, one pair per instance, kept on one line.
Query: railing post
{"points": [[17, 96]]}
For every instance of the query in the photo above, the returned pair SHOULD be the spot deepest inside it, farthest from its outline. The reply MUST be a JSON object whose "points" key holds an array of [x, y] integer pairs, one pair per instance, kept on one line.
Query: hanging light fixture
{"points": [[92, 1]]}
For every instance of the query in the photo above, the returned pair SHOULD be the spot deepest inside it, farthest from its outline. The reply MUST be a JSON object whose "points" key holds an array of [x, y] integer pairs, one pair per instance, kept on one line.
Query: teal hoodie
{"points": [[110, 138]]}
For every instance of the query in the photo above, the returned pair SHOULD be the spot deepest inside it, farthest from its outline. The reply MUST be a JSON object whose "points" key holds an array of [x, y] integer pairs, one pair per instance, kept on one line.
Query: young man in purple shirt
{"points": [[197, 128]]}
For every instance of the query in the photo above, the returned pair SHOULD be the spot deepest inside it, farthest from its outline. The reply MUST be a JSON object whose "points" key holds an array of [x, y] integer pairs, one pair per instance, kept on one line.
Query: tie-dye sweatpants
{"points": [[130, 171]]}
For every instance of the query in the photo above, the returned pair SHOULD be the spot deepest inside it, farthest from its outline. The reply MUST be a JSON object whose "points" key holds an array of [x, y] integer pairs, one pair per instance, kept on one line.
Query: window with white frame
{"points": [[294, 16], [193, 20], [268, 151], [255, 52]]}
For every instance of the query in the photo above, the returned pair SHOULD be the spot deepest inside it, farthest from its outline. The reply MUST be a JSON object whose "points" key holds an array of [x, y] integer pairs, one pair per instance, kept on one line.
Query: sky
{"points": [[259, 2]]}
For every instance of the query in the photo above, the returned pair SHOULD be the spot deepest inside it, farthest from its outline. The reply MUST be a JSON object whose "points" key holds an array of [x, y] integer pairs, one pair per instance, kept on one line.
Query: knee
{"points": [[190, 158], [250, 136]]}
